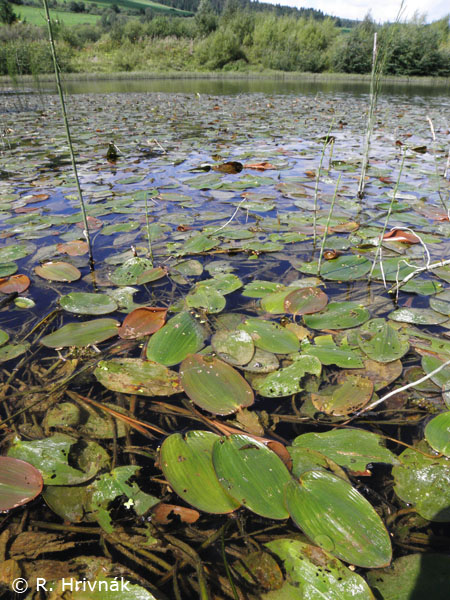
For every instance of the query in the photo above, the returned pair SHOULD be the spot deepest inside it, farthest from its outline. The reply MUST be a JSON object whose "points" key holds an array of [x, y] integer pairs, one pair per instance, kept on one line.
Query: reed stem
{"points": [[330, 213]]}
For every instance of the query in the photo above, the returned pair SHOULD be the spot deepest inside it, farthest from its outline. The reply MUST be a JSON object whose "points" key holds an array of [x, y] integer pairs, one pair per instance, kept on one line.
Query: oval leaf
{"points": [[437, 433], [82, 334], [137, 376], [142, 321], [338, 315], [14, 283], [180, 336], [58, 271], [83, 303], [20, 482]]}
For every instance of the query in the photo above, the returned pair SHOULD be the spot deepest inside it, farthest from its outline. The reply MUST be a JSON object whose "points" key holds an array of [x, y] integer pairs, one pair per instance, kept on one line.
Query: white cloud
{"points": [[382, 10]]}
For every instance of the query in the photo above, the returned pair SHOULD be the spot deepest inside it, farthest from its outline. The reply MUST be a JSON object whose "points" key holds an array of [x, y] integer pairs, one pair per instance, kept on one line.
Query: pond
{"points": [[211, 400]]}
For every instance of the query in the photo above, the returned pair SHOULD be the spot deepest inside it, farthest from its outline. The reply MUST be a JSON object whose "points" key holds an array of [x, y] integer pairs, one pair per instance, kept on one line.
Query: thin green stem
{"points": [[316, 188], [330, 213], [148, 229], [68, 135], [388, 216]]}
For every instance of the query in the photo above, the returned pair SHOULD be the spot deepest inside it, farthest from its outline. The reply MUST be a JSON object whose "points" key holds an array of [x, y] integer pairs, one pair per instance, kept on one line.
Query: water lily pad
{"points": [[317, 573], [137, 376], [352, 530], [82, 334], [253, 474], [437, 433], [270, 336], [24, 303], [225, 283], [381, 342], [214, 385], [350, 395], [350, 448], [189, 268], [206, 298], [11, 351], [13, 252], [180, 336], [58, 271], [129, 272], [424, 482], [73, 248], [4, 337], [338, 315], [329, 353], [8, 269], [413, 577], [84, 303], [259, 289], [305, 301], [393, 269], [14, 283], [142, 321], [262, 362], [187, 465], [20, 482], [286, 381], [380, 374], [418, 316], [342, 268], [441, 303], [430, 363], [234, 347]]}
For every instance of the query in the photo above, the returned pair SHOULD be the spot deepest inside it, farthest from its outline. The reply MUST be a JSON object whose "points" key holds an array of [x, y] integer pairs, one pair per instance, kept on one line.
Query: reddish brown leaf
{"points": [[93, 224], [262, 166], [310, 173], [432, 212], [386, 179], [37, 198], [74, 248], [161, 512], [142, 321], [14, 283], [399, 235], [230, 167], [26, 209]]}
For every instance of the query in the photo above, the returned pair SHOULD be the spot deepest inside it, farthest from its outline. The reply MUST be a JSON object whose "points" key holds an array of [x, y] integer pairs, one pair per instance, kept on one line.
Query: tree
{"points": [[7, 14], [205, 18]]}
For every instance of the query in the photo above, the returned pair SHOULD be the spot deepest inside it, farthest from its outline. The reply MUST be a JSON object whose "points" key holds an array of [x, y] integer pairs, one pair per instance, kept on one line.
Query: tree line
{"points": [[229, 35]]}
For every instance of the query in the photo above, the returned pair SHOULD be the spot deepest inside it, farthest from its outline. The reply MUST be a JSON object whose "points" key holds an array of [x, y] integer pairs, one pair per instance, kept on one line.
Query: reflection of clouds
{"points": [[382, 10]]}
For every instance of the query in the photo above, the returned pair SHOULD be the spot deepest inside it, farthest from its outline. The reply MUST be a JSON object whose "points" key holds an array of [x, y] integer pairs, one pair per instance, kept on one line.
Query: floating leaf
{"points": [[381, 342], [252, 474], [14, 283], [419, 316], [142, 321], [342, 268], [82, 334], [430, 363], [424, 482], [73, 248], [180, 336], [8, 269], [187, 465], [270, 336], [234, 347], [401, 235], [198, 243], [20, 482], [329, 353], [350, 448], [150, 275], [317, 573], [261, 567], [394, 269], [225, 283], [206, 298], [352, 394], [214, 385], [286, 381], [352, 530], [84, 303], [259, 289], [441, 303], [58, 271], [13, 252], [413, 577], [4, 337], [11, 351], [380, 374], [137, 376], [437, 433], [129, 272], [262, 362], [305, 301], [338, 315]]}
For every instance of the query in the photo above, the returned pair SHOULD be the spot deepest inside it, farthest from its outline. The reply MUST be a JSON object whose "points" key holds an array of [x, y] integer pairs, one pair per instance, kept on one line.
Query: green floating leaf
{"points": [[137, 376], [437, 433], [286, 381], [214, 385], [150, 275], [129, 272], [270, 336], [424, 287], [20, 482], [317, 573], [58, 271], [206, 298], [84, 303], [350, 448], [342, 268], [13, 252], [187, 465], [419, 316], [11, 351], [351, 394], [441, 303], [424, 482], [262, 362], [381, 342], [394, 269], [338, 315], [8, 269], [82, 334], [180, 336], [253, 474], [50, 456], [4, 337], [352, 530], [329, 353], [430, 363], [259, 289], [225, 283], [198, 243], [413, 577], [305, 301], [189, 267], [234, 347]]}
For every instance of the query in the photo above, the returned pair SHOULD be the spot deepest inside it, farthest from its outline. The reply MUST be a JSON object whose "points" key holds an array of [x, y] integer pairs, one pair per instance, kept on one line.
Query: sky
{"points": [[381, 10]]}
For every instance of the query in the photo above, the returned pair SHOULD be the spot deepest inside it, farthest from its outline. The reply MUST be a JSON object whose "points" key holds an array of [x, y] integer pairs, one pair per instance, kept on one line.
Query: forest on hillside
{"points": [[223, 35]]}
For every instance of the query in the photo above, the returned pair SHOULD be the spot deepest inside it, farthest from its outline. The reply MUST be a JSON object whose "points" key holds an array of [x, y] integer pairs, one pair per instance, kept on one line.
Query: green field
{"points": [[155, 6], [36, 16]]}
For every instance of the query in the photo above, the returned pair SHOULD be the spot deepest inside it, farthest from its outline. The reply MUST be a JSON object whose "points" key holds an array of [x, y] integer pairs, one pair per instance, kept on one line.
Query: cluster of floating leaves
{"points": [[206, 307]]}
